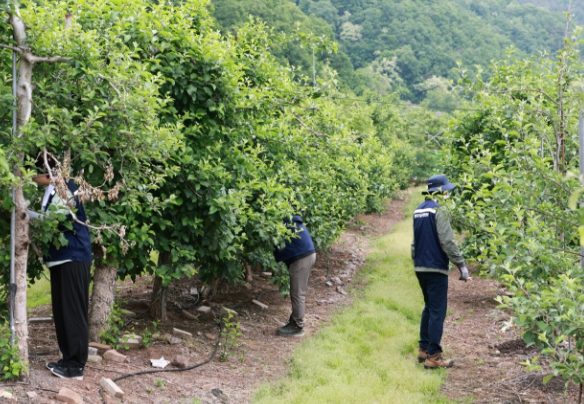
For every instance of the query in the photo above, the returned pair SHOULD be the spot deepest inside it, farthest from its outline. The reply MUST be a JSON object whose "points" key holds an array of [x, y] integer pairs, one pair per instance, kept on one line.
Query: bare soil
{"points": [[261, 356]]}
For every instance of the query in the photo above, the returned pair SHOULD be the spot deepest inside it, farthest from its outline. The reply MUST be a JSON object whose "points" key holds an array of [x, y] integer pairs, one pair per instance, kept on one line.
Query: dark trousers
{"points": [[70, 298], [435, 290]]}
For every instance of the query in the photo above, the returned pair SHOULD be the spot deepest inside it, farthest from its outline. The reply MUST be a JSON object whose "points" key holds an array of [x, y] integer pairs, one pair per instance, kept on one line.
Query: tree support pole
{"points": [[13, 212], [581, 138]]}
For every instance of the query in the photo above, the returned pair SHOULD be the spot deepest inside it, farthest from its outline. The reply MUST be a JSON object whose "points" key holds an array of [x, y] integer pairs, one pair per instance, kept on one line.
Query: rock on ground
{"points": [[69, 396]]}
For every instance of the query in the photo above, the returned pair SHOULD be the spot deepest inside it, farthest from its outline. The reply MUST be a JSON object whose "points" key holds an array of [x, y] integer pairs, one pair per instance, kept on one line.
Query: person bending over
{"points": [[299, 256]]}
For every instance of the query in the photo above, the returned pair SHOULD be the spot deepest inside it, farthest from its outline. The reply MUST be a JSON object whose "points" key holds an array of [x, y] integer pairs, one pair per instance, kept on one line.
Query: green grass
{"points": [[39, 293], [368, 353]]}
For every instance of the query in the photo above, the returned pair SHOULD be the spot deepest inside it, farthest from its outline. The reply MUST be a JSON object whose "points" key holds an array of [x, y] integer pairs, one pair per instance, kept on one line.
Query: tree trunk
{"points": [[20, 263], [158, 301], [21, 242], [102, 299], [209, 290], [249, 273], [21, 238]]}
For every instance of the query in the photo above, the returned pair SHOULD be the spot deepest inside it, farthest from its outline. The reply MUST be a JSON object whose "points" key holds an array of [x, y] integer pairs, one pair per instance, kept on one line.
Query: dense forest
{"points": [[560, 5], [286, 17], [409, 46]]}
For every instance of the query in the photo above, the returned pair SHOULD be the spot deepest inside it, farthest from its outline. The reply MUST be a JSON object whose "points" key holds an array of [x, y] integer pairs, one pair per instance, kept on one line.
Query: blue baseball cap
{"points": [[438, 183]]}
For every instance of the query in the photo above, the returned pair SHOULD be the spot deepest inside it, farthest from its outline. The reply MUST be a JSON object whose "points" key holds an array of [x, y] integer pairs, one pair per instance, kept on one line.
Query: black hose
{"points": [[318, 283], [136, 317], [190, 306], [144, 372]]}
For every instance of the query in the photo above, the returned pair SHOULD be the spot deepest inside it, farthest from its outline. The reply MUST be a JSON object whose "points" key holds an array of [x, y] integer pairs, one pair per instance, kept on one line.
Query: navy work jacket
{"points": [[298, 247]]}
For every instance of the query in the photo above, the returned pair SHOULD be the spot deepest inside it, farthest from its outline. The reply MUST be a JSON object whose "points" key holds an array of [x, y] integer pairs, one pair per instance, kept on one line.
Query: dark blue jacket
{"points": [[79, 247], [298, 247], [428, 250]]}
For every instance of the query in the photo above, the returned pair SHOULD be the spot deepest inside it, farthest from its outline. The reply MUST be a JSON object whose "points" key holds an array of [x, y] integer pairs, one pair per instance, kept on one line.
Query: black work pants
{"points": [[70, 298], [435, 290]]}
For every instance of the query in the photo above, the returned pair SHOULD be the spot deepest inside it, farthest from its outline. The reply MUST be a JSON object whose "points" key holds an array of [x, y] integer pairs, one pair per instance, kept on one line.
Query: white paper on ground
{"points": [[159, 363]]}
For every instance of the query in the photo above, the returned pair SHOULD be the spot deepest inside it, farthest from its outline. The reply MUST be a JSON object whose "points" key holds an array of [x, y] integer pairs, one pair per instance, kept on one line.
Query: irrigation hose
{"points": [[265, 292], [145, 372], [46, 352]]}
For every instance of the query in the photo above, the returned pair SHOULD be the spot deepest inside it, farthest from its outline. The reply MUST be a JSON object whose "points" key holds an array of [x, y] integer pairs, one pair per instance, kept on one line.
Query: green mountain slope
{"points": [[560, 5], [401, 44], [285, 16], [428, 37]]}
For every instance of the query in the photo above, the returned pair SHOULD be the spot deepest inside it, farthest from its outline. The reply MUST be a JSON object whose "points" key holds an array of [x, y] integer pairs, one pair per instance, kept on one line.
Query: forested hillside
{"points": [[283, 16], [398, 45], [560, 5]]}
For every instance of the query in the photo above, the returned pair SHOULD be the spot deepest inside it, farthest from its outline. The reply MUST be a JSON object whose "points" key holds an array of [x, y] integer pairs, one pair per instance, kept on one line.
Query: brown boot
{"points": [[435, 361], [421, 355]]}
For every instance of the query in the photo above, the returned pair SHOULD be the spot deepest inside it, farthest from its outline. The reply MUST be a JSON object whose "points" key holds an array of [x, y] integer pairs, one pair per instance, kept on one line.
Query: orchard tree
{"points": [[257, 145], [95, 110], [510, 153]]}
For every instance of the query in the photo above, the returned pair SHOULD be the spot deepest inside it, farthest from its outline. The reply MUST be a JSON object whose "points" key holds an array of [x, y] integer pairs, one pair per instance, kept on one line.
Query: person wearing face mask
{"points": [[433, 248]]}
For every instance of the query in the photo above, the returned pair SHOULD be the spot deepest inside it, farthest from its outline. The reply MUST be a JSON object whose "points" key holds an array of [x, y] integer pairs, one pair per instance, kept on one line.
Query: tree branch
{"points": [[40, 59], [12, 48], [61, 188], [541, 212], [307, 127], [101, 76], [566, 251], [518, 90]]}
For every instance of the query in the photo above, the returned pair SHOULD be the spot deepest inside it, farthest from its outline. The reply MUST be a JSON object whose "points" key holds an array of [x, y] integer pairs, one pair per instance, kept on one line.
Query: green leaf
{"points": [[574, 198], [547, 378]]}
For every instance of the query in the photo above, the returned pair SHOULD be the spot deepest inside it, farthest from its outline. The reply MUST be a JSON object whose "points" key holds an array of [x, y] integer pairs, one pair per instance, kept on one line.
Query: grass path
{"points": [[367, 354]]}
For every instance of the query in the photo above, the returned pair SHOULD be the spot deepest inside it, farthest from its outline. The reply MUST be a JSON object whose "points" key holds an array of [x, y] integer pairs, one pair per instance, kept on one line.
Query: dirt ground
{"points": [[487, 361]]}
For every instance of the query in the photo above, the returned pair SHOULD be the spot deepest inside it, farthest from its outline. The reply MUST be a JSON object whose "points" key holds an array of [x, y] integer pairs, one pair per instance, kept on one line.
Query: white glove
{"points": [[463, 274]]}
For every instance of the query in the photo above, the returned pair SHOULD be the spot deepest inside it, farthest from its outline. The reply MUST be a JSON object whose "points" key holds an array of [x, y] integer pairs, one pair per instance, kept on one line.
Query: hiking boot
{"points": [[291, 330], [68, 372], [51, 365], [435, 361], [422, 354]]}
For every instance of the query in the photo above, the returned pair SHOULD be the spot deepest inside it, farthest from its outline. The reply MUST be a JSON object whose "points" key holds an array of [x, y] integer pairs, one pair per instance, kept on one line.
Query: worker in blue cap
{"points": [[433, 248]]}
